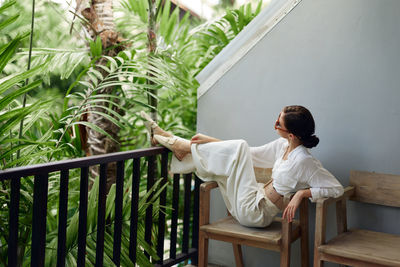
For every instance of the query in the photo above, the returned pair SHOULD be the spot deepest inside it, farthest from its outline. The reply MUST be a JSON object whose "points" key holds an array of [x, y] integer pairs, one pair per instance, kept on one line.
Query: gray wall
{"points": [[339, 58]]}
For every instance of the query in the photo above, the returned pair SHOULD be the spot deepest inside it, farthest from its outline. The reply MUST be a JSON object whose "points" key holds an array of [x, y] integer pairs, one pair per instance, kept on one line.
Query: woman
{"points": [[231, 164]]}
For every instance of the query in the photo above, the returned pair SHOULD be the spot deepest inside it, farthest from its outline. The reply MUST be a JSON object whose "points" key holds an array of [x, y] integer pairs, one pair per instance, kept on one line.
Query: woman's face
{"points": [[280, 126]]}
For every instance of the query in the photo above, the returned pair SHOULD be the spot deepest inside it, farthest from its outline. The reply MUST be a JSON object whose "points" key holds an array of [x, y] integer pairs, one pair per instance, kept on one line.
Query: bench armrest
{"points": [[204, 204], [207, 186], [320, 216]]}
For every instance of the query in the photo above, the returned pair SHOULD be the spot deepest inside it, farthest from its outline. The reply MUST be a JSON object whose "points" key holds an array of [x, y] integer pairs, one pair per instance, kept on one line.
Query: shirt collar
{"points": [[294, 152]]}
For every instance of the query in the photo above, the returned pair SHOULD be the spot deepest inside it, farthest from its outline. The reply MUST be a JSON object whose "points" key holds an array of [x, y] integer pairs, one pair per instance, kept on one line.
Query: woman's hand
{"points": [[202, 139], [294, 203]]}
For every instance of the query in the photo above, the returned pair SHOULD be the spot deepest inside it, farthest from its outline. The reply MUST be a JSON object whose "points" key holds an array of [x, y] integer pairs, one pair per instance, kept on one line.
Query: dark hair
{"points": [[299, 121]]}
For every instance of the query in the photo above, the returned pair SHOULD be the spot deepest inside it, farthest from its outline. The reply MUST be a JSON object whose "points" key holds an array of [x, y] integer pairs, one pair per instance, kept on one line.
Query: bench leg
{"points": [[286, 243], [237, 250], [203, 250], [317, 261], [285, 257], [304, 233]]}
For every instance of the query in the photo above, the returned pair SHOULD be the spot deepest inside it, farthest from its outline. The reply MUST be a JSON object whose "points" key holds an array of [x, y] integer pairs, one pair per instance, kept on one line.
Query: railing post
{"points": [[161, 214], [186, 212], [62, 219], [149, 210], [82, 230], [119, 194], [134, 210], [195, 225], [39, 219], [101, 215], [174, 215], [13, 222]]}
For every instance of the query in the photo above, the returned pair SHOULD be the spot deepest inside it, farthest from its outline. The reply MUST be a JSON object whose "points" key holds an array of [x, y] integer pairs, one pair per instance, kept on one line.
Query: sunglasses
{"points": [[278, 126]]}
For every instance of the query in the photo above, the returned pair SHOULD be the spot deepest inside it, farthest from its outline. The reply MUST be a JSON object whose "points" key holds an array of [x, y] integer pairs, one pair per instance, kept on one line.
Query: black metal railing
{"points": [[41, 180]]}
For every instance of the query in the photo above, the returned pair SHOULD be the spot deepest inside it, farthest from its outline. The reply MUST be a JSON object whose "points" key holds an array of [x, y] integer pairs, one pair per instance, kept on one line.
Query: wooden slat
{"points": [[320, 230], [286, 243], [304, 233], [376, 188], [241, 241], [368, 246], [348, 262], [341, 216], [237, 251]]}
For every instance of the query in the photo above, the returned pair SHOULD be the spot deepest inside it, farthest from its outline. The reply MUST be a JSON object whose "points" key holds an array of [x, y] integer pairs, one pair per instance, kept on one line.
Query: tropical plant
{"points": [[52, 127]]}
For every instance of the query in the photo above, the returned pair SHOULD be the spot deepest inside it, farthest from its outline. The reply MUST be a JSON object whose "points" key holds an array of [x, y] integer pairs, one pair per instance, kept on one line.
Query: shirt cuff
{"points": [[315, 194]]}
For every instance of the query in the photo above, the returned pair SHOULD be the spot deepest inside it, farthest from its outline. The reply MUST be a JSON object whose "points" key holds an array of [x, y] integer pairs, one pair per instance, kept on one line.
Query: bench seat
{"points": [[363, 245], [264, 237]]}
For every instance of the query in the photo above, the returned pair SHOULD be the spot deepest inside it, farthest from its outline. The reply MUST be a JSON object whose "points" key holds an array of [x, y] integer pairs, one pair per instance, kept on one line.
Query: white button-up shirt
{"points": [[300, 171]]}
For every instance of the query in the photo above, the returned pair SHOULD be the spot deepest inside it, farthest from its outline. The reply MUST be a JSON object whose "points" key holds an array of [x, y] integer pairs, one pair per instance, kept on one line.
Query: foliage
{"points": [[63, 82]]}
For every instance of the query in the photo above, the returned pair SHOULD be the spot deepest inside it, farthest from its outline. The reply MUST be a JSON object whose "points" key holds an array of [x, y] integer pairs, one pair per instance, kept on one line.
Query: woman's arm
{"points": [[265, 156], [202, 139], [294, 203]]}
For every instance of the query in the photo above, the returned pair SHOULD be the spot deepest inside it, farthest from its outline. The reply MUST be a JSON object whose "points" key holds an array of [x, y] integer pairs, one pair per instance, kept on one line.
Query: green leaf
{"points": [[171, 25], [9, 81], [7, 5], [8, 50], [96, 48], [10, 97], [258, 9], [15, 116], [232, 21], [165, 17], [8, 21], [30, 156]]}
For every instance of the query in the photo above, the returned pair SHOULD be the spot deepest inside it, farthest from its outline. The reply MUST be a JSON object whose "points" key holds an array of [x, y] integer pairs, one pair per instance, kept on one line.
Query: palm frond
{"points": [[60, 61]]}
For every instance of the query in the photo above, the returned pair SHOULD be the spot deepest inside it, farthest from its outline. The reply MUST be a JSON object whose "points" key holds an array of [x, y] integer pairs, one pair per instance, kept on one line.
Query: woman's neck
{"points": [[293, 143]]}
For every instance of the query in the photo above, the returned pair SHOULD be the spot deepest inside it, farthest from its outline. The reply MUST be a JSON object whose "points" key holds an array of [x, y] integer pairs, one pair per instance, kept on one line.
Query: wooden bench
{"points": [[277, 237], [357, 247]]}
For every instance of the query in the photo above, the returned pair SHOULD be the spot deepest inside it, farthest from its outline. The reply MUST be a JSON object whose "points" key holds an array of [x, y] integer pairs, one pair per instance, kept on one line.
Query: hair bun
{"points": [[310, 141]]}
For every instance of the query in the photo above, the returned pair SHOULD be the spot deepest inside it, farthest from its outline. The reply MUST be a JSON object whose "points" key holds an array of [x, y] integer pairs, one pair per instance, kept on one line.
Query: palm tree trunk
{"points": [[101, 23], [151, 46]]}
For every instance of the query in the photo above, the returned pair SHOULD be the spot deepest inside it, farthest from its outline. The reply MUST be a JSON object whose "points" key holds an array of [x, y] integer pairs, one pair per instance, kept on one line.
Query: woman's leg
{"points": [[229, 163]]}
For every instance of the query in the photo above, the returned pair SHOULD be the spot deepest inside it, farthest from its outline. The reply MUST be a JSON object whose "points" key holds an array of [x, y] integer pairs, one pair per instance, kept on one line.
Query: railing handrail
{"points": [[23, 171]]}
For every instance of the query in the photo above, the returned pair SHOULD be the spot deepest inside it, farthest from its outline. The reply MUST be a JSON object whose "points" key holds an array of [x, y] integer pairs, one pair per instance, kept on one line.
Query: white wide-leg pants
{"points": [[229, 163]]}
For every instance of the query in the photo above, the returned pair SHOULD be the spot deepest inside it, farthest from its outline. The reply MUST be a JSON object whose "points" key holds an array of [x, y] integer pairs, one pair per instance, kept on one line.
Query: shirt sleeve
{"points": [[322, 183], [265, 156]]}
